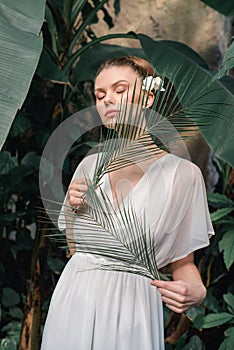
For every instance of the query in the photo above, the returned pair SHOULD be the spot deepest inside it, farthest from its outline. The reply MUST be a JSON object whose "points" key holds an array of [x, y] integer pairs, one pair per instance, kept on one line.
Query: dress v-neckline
{"points": [[120, 205]]}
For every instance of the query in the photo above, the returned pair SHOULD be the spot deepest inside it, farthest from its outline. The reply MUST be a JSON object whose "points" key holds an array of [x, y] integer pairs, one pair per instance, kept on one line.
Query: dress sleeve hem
{"points": [[197, 247]]}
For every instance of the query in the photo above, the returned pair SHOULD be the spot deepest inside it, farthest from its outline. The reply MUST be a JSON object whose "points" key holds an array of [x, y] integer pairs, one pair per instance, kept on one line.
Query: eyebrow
{"points": [[114, 84]]}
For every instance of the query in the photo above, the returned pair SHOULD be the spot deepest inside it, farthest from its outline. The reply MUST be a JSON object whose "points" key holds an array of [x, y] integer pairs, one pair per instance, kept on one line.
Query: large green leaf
{"points": [[94, 56], [229, 299], [9, 297], [220, 213], [227, 246], [228, 62], [49, 68], [214, 320], [215, 99], [20, 48], [218, 200], [226, 7], [7, 162], [71, 62], [228, 342], [196, 315], [195, 343]]}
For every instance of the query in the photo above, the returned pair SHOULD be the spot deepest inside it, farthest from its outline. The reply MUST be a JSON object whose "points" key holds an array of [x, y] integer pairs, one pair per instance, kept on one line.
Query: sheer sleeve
{"points": [[189, 226]]}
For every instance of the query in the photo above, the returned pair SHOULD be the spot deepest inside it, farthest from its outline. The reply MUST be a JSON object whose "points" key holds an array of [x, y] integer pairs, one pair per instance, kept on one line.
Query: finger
{"points": [[179, 304], [168, 295], [76, 198], [78, 187], [178, 287], [75, 202], [176, 309], [75, 194], [177, 291], [82, 183], [80, 180]]}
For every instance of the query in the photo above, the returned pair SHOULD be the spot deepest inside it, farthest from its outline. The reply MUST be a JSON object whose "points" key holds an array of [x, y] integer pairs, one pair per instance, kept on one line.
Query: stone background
{"points": [[188, 21]]}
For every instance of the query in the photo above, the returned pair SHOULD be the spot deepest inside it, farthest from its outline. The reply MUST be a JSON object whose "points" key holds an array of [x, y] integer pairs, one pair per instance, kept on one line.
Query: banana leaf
{"points": [[49, 68], [225, 7], [91, 59], [228, 62], [21, 45]]}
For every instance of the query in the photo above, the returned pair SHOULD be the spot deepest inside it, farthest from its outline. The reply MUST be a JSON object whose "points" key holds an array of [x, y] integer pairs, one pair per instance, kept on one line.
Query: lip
{"points": [[110, 113]]}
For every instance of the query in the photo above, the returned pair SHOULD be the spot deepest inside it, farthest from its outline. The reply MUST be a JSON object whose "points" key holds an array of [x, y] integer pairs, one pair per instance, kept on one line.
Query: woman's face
{"points": [[113, 86]]}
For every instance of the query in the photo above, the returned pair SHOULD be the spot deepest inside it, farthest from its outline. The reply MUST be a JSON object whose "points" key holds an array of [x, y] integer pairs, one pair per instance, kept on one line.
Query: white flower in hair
{"points": [[151, 83]]}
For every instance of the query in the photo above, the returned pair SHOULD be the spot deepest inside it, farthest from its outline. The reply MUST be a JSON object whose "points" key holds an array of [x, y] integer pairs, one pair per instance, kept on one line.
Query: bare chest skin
{"points": [[123, 181]]}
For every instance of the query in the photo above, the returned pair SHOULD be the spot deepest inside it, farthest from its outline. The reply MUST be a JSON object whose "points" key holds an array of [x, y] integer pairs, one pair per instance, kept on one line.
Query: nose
{"points": [[109, 98]]}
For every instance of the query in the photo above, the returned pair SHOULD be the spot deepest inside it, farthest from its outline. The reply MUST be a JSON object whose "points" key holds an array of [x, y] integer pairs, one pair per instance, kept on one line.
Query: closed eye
{"points": [[120, 91], [122, 88], [99, 97]]}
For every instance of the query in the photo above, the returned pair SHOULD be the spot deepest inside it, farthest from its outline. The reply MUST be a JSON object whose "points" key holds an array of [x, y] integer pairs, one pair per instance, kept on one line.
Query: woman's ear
{"points": [[150, 99]]}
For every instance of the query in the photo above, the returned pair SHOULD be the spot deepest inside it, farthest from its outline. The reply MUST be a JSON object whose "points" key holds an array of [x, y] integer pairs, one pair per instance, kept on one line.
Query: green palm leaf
{"points": [[123, 240]]}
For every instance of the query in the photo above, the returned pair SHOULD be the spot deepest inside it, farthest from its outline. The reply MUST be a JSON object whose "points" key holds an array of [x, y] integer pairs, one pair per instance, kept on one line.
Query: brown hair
{"points": [[139, 65]]}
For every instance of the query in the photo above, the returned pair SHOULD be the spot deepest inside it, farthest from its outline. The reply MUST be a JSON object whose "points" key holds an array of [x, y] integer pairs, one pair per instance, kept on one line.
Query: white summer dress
{"points": [[95, 309]]}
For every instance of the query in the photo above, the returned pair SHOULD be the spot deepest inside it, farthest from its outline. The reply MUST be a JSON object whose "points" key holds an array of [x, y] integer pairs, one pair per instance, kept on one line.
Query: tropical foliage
{"points": [[30, 263]]}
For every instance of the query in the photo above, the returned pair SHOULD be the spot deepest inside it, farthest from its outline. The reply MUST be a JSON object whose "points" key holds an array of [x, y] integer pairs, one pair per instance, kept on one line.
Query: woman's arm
{"points": [[186, 290], [76, 191]]}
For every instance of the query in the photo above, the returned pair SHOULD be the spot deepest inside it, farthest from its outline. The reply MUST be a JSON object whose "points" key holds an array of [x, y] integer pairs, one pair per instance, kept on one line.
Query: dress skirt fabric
{"points": [[93, 309]]}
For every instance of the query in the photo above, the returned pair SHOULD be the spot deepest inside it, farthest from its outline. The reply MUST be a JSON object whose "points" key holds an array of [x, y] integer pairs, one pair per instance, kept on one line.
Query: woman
{"points": [[98, 309]]}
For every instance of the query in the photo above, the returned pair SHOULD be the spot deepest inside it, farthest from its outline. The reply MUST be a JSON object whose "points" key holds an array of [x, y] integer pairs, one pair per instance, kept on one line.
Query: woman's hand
{"points": [[76, 192], [179, 296], [187, 289]]}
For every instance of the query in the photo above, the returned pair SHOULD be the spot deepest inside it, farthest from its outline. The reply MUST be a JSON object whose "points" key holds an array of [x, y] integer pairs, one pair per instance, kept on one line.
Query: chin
{"points": [[109, 123]]}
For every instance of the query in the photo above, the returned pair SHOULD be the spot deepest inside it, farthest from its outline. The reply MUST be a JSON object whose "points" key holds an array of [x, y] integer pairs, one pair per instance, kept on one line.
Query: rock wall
{"points": [[188, 21]]}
